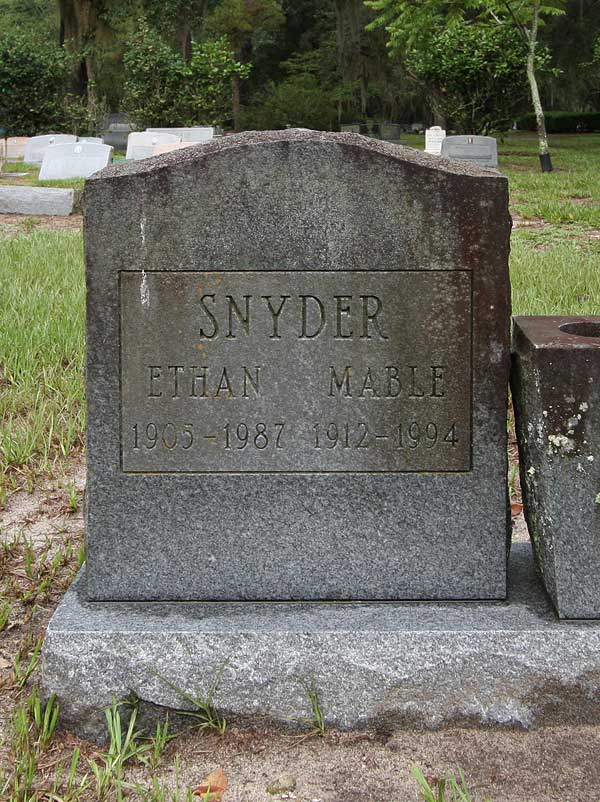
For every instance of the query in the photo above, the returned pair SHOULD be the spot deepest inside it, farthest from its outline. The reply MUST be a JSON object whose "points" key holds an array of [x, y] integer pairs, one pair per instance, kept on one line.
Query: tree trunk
{"points": [[235, 102], [544, 151]]}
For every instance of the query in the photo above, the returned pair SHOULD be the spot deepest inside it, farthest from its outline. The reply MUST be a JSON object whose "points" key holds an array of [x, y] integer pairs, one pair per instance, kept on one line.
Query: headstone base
{"points": [[381, 665]]}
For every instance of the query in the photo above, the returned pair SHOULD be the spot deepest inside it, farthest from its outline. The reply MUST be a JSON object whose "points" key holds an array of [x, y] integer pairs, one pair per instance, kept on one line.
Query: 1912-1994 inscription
{"points": [[296, 371]]}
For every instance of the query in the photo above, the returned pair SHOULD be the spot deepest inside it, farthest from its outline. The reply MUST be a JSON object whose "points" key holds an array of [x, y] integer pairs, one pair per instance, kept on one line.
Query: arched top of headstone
{"points": [[272, 141], [297, 199]]}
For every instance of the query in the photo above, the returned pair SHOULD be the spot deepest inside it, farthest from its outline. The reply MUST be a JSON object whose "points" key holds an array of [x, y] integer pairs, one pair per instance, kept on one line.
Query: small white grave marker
{"points": [[199, 133], [434, 137], [74, 160], [141, 144], [36, 147]]}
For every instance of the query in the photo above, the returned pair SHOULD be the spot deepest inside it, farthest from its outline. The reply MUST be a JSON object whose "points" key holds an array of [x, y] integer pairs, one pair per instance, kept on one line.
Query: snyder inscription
{"points": [[295, 371]]}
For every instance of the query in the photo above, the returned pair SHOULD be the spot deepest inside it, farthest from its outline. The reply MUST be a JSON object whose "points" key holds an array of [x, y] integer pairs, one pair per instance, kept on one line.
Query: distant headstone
{"points": [[117, 128], [15, 147], [482, 150], [434, 137], [353, 128], [391, 132], [36, 146], [158, 150], [74, 160], [141, 144], [98, 140], [296, 388], [196, 134], [416, 128], [556, 396]]}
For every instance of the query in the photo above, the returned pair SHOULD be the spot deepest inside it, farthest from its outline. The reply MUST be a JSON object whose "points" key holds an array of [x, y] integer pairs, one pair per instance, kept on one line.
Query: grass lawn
{"points": [[32, 180], [555, 269]]}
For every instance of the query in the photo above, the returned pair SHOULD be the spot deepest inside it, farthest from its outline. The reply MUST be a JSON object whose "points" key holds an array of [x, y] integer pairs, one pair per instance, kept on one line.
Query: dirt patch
{"points": [[521, 222], [11, 225], [50, 507]]}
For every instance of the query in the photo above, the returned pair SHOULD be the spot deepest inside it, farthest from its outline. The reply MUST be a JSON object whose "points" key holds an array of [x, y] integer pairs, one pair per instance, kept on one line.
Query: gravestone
{"points": [[117, 128], [290, 396], [202, 133], [482, 150], [140, 144], [391, 132], [15, 147], [36, 146], [98, 140], [296, 378], [434, 137], [158, 150], [74, 160], [556, 395]]}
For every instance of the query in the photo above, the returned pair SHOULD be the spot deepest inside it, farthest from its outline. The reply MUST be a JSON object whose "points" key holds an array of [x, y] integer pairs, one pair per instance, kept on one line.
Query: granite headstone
{"points": [[556, 395], [482, 150], [297, 366]]}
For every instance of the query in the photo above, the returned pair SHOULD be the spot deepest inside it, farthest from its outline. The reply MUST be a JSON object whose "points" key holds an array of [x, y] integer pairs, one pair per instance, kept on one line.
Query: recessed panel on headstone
{"points": [[378, 383], [297, 371]]}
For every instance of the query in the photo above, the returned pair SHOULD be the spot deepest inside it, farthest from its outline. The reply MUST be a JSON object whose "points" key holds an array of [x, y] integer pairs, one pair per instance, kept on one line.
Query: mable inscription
{"points": [[246, 371]]}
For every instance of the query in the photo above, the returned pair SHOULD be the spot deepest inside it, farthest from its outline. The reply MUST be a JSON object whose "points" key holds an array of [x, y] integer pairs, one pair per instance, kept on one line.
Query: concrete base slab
{"points": [[38, 200], [383, 665]]}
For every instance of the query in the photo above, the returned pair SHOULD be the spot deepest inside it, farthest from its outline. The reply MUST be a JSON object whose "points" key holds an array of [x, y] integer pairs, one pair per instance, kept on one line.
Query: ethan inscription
{"points": [[247, 371]]}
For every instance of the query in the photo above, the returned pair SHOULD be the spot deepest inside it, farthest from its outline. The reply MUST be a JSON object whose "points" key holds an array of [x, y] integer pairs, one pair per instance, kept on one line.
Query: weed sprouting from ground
{"points": [[446, 788], [204, 712]]}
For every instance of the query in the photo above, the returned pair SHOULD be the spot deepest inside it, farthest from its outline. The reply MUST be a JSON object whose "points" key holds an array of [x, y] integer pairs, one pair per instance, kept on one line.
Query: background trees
{"points": [[316, 63]]}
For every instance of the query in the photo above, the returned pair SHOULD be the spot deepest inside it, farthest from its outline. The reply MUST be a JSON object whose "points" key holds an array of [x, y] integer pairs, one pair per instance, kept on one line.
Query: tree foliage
{"points": [[475, 74], [34, 78], [162, 89]]}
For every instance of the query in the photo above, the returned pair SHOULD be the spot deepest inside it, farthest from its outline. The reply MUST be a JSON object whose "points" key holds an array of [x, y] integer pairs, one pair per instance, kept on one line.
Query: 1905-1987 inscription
{"points": [[296, 371]]}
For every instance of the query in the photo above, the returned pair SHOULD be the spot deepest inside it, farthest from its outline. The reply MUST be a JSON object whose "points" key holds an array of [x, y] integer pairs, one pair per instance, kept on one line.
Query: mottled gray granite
{"points": [[427, 664], [37, 200], [556, 395], [407, 254]]}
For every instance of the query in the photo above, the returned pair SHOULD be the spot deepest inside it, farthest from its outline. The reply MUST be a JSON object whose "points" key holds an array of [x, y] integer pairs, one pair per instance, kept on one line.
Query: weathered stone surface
{"points": [[74, 160], [37, 200], [556, 394], [482, 150], [357, 295], [384, 665]]}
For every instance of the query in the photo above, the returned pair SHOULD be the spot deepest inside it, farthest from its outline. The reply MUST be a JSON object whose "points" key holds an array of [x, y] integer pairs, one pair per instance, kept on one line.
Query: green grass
{"points": [[32, 180], [555, 269], [41, 351]]}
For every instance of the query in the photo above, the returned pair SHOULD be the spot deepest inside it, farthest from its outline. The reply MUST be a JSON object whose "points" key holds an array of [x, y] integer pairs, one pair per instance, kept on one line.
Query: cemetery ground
{"points": [[555, 269]]}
